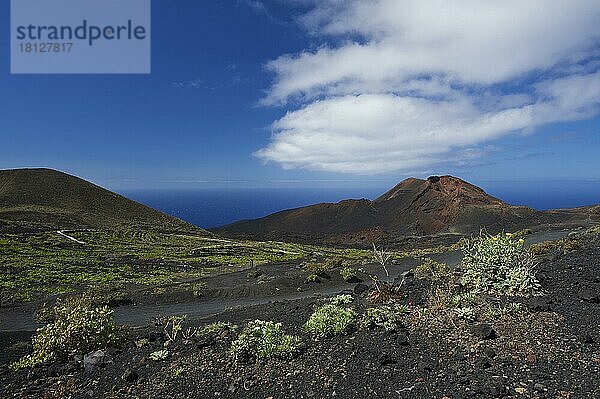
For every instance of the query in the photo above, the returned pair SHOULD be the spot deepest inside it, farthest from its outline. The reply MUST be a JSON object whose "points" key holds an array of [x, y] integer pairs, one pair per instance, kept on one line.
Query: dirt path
{"points": [[62, 233], [235, 289]]}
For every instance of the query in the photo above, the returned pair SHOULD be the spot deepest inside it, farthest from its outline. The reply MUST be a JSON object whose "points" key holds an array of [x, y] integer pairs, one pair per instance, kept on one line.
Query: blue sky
{"points": [[251, 93]]}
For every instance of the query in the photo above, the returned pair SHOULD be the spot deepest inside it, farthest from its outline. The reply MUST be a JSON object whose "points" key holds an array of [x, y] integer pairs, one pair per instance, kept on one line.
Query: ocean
{"points": [[213, 207]]}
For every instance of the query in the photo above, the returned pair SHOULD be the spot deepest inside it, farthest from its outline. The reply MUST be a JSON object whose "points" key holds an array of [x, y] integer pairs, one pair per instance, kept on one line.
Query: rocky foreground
{"points": [[503, 347]]}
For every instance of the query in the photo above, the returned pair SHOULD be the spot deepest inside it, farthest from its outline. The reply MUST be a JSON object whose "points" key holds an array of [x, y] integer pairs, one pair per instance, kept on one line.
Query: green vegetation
{"points": [[349, 274], [432, 270], [498, 265], [264, 339], [343, 299], [159, 355], [217, 327], [330, 320], [77, 327], [387, 317], [34, 265]]}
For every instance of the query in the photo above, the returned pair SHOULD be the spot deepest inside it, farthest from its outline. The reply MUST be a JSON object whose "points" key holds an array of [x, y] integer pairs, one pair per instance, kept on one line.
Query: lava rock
{"points": [[483, 331], [360, 288], [586, 338], [129, 375], [539, 305], [385, 360], [489, 352], [589, 295], [93, 360]]}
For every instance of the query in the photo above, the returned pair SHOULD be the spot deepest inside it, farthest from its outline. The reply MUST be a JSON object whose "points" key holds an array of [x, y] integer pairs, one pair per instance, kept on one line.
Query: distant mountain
{"points": [[44, 199], [440, 204]]}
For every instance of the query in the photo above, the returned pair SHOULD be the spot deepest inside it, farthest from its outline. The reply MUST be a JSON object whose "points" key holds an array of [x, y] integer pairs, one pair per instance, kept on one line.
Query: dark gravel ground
{"points": [[550, 348]]}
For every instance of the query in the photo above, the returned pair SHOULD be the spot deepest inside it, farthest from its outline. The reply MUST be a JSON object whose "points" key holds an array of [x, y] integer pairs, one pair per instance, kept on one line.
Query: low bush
{"points": [[330, 320], [342, 299], [498, 265], [217, 327], [384, 292], [349, 274], [159, 355], [75, 327], [432, 270], [264, 339], [387, 317]]}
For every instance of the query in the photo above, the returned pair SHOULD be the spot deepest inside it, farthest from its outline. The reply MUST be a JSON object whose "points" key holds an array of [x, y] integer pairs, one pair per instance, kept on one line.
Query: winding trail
{"points": [[235, 294]]}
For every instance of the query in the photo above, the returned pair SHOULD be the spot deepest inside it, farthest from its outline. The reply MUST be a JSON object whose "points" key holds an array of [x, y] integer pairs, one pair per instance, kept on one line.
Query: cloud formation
{"points": [[403, 85]]}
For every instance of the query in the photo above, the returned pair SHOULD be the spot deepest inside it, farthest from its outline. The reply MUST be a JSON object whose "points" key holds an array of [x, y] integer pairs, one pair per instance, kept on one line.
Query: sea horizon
{"points": [[210, 207]]}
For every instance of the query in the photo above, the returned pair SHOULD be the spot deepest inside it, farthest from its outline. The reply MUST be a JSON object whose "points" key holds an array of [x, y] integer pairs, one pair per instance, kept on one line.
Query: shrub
{"points": [[264, 339], [159, 355], [499, 265], [466, 313], [463, 299], [544, 247], [342, 299], [432, 270], [521, 233], [217, 327], [330, 320], [384, 293], [75, 328], [349, 274], [386, 317]]}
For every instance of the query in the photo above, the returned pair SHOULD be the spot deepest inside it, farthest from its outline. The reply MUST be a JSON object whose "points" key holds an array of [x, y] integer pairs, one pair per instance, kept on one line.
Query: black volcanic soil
{"points": [[551, 349]]}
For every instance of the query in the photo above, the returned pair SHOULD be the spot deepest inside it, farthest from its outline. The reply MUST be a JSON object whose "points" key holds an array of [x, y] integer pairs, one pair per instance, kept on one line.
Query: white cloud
{"points": [[424, 78]]}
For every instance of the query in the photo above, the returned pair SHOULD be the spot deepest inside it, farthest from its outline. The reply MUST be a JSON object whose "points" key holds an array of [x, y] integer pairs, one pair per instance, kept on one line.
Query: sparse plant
{"points": [[330, 320], [384, 292], [349, 274], [387, 317], [173, 325], [498, 265], [382, 257], [465, 313], [75, 328], [463, 299], [432, 270], [343, 299], [312, 278], [159, 355], [217, 327], [264, 339]]}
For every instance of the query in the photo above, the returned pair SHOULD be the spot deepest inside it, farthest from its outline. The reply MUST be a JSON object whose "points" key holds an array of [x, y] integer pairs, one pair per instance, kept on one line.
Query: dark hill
{"points": [[419, 207], [43, 199]]}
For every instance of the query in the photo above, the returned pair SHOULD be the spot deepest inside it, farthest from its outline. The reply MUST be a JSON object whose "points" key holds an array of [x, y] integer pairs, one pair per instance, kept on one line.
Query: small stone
{"points": [[129, 375], [520, 390], [589, 295], [360, 288], [539, 387], [95, 359], [586, 338], [385, 360], [483, 331], [539, 305], [489, 352], [531, 358]]}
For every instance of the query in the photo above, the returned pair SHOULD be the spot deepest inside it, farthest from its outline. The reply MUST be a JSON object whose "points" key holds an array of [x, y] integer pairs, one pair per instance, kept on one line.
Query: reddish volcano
{"points": [[440, 204]]}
